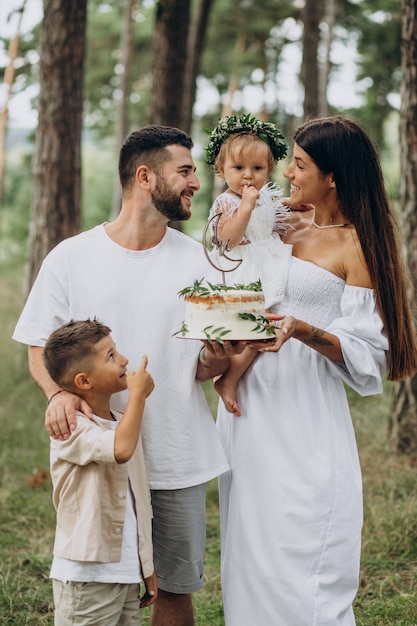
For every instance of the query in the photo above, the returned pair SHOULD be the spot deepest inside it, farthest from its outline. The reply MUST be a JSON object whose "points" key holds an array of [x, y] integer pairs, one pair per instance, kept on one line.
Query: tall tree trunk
{"points": [[227, 108], [312, 15], [57, 160], [170, 50], [8, 81], [324, 68], [195, 45], [168, 74], [403, 423], [122, 121]]}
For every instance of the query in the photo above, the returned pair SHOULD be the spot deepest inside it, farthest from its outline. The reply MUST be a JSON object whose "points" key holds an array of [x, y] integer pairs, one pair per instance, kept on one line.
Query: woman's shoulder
{"points": [[343, 250], [356, 267]]}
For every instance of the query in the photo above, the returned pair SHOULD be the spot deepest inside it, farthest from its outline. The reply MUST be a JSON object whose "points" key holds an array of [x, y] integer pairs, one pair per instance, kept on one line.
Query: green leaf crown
{"points": [[246, 124]]}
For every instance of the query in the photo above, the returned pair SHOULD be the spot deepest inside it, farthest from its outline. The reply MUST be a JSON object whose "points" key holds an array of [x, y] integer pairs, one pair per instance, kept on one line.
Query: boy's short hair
{"points": [[70, 347]]}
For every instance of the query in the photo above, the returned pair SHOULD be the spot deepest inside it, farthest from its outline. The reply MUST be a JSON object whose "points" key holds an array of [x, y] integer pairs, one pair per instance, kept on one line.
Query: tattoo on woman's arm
{"points": [[317, 338]]}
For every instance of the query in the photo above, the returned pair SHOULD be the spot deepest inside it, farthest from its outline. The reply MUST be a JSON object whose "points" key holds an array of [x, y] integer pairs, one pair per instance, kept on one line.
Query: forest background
{"points": [[107, 67]]}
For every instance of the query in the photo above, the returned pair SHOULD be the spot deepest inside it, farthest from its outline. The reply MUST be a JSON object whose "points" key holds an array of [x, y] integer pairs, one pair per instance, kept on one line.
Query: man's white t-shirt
{"points": [[135, 293]]}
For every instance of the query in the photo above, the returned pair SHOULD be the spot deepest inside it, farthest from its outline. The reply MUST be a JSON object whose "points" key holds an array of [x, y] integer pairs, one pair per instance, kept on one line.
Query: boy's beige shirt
{"points": [[89, 495]]}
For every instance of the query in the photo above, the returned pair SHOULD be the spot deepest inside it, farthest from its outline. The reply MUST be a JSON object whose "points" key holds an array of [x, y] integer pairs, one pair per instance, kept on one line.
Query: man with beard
{"points": [[127, 274]]}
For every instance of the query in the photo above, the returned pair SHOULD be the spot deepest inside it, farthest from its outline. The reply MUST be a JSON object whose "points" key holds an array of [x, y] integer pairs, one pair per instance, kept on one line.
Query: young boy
{"points": [[103, 540]]}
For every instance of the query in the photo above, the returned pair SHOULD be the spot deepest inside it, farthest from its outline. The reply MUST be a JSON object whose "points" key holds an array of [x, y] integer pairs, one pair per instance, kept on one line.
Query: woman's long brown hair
{"points": [[340, 146]]}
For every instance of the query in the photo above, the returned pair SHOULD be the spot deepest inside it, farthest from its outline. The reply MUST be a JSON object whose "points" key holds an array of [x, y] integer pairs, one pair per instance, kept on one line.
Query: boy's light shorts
{"points": [[87, 604], [179, 538]]}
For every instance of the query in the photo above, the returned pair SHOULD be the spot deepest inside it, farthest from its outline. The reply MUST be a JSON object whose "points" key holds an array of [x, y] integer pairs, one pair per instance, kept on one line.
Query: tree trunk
{"points": [[168, 74], [122, 121], [57, 160], [403, 423], [324, 68], [195, 45], [227, 108], [312, 15], [170, 50]]}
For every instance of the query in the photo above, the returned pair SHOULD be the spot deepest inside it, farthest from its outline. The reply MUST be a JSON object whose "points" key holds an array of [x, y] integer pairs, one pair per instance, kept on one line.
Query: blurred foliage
{"points": [[378, 28], [244, 49], [102, 82]]}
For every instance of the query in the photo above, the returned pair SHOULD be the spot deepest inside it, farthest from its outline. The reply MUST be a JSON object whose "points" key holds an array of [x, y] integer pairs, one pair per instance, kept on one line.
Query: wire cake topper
{"points": [[214, 243]]}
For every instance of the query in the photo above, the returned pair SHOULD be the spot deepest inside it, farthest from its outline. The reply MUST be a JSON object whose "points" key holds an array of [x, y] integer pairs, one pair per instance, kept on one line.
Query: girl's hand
{"points": [[250, 196]]}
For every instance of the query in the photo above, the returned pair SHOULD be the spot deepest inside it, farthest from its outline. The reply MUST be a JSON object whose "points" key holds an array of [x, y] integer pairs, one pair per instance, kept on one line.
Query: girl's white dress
{"points": [[291, 504], [264, 256]]}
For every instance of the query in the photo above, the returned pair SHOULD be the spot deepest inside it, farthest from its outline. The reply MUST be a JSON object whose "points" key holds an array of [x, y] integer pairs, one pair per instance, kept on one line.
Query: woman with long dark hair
{"points": [[291, 505]]}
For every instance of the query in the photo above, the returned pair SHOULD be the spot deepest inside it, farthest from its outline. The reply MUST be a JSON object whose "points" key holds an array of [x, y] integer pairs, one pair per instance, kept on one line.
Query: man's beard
{"points": [[168, 202]]}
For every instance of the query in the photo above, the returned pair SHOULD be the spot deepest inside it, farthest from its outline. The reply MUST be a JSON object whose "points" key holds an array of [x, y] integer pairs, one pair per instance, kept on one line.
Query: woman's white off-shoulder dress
{"points": [[291, 504]]}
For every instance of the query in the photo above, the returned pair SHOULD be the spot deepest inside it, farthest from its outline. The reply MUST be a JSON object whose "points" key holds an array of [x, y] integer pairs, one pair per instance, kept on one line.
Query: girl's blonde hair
{"points": [[237, 144]]}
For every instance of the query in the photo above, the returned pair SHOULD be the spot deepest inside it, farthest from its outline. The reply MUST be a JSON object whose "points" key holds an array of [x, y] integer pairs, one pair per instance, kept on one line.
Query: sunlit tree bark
{"points": [[170, 50], [195, 45], [403, 424], [329, 21], [122, 120], [312, 15], [57, 160]]}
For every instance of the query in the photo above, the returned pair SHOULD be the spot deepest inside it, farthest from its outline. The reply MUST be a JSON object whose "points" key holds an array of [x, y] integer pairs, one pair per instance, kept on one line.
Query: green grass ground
{"points": [[388, 587]]}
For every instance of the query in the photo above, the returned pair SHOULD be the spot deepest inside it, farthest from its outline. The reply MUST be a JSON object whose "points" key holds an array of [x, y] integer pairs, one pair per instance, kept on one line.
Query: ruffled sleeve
{"points": [[226, 204], [363, 341]]}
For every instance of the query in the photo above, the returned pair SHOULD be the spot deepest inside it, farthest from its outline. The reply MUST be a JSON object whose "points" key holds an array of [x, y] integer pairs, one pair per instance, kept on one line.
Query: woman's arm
{"points": [[320, 340]]}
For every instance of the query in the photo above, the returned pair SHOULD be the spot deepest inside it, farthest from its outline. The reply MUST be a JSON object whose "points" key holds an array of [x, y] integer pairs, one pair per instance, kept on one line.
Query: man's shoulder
{"points": [[185, 241], [75, 242], [91, 233], [190, 259]]}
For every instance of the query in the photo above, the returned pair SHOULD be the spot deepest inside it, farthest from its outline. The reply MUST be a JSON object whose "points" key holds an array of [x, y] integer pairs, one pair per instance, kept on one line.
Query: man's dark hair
{"points": [[148, 146]]}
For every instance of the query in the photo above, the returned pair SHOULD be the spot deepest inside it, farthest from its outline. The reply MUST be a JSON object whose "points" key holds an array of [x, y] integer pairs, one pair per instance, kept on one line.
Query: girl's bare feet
{"points": [[227, 391]]}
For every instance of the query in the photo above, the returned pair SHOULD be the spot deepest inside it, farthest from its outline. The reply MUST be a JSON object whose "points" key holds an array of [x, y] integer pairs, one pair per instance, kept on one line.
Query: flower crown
{"points": [[248, 124]]}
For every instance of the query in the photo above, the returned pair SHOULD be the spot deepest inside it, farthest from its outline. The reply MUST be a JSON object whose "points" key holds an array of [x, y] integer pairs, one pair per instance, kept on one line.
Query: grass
{"points": [[388, 585]]}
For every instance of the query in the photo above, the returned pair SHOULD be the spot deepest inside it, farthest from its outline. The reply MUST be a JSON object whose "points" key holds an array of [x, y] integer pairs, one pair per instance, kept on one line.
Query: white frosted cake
{"points": [[217, 312]]}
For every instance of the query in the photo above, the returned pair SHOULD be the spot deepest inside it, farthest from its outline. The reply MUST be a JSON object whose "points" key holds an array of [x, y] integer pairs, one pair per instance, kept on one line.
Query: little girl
{"points": [[244, 151]]}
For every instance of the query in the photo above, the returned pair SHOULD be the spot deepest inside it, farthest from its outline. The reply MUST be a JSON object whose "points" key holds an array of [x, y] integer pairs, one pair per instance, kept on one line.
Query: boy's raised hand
{"points": [[141, 381], [140, 384]]}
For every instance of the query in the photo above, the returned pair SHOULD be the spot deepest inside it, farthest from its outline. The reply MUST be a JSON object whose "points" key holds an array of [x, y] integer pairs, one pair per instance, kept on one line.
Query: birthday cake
{"points": [[220, 312]]}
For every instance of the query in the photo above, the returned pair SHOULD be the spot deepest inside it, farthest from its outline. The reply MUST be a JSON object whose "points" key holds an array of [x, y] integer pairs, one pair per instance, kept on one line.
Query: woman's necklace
{"points": [[330, 225]]}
